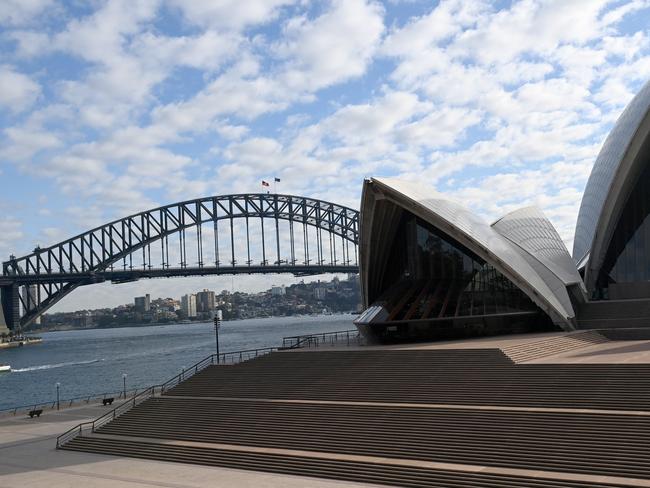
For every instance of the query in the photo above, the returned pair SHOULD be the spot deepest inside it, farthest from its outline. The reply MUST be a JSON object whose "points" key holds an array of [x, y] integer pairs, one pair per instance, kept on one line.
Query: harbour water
{"points": [[93, 361]]}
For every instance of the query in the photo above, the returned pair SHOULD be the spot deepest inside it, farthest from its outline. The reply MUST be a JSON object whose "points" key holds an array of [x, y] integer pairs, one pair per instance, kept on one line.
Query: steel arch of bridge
{"points": [[329, 233]]}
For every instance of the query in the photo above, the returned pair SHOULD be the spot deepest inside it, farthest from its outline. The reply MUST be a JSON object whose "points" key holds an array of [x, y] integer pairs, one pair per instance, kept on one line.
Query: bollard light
{"points": [[218, 317], [124, 375], [58, 386]]}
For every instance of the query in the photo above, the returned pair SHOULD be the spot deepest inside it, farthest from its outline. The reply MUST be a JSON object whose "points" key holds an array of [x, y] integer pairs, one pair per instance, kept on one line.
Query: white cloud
{"points": [[30, 43], [19, 12], [207, 51], [229, 14], [17, 91], [11, 231], [24, 142], [531, 26], [333, 47], [443, 127], [499, 107], [100, 37], [238, 92], [422, 33]]}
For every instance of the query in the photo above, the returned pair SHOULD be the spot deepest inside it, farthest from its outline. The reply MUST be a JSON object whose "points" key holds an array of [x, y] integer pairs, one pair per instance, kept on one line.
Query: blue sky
{"points": [[111, 107]]}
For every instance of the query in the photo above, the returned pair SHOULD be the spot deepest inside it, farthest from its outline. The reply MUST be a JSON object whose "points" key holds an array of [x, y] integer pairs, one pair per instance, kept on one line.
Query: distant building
{"points": [[277, 291], [188, 305], [205, 301], [143, 304], [320, 293]]}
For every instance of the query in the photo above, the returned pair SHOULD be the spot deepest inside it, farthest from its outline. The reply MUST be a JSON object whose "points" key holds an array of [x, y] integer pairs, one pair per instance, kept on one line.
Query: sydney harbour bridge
{"points": [[226, 234]]}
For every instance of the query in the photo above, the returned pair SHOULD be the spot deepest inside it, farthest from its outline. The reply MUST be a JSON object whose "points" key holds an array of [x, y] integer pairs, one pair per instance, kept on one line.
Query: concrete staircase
{"points": [[443, 376], [421, 418], [603, 444], [349, 471], [529, 351]]}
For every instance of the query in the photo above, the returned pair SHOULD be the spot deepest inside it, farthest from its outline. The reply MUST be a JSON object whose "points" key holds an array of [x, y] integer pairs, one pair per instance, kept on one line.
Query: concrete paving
{"points": [[612, 352], [28, 459]]}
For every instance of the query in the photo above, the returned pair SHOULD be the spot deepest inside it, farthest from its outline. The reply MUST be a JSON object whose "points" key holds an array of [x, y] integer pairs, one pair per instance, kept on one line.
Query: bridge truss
{"points": [[227, 234]]}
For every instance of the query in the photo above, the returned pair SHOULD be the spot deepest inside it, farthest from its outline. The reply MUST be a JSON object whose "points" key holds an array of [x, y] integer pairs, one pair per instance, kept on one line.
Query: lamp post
{"points": [[58, 405], [124, 375], [218, 317]]}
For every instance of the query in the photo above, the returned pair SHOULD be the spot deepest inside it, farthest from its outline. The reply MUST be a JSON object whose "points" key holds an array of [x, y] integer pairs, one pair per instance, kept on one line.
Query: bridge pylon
{"points": [[9, 309]]}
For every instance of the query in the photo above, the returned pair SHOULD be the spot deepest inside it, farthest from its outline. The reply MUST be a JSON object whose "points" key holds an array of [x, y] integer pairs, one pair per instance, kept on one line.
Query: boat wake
{"points": [[53, 366]]}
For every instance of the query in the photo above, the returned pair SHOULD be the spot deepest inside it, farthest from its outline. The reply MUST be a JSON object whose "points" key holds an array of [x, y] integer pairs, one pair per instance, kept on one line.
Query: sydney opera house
{"points": [[430, 268]]}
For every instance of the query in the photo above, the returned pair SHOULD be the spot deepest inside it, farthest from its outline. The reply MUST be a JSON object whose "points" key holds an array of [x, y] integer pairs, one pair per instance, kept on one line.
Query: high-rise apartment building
{"points": [[143, 304], [188, 305], [205, 301], [277, 291]]}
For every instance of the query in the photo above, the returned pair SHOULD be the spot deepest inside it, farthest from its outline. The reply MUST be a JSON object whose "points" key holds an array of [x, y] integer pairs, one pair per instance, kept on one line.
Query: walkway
{"points": [[28, 459]]}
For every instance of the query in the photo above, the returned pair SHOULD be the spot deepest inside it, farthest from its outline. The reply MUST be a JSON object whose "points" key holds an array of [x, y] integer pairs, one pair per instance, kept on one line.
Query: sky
{"points": [[112, 107]]}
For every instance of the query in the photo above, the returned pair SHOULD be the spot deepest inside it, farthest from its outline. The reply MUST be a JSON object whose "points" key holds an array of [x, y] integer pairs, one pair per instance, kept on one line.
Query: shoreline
{"points": [[190, 323]]}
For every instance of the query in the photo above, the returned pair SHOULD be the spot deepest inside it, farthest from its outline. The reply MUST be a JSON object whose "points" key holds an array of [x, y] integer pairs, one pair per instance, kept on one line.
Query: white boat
{"points": [[5, 368]]}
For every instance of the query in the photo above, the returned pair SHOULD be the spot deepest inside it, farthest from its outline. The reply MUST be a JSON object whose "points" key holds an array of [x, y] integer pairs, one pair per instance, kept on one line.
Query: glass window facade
{"points": [[626, 268], [430, 276]]}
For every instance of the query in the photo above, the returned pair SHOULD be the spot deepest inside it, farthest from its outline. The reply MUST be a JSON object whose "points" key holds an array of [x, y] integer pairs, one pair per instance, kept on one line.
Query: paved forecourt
{"points": [[28, 459]]}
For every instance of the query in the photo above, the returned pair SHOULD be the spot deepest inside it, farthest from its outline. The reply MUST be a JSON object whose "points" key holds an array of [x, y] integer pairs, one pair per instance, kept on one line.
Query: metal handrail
{"points": [[224, 358], [70, 401], [108, 416], [294, 342]]}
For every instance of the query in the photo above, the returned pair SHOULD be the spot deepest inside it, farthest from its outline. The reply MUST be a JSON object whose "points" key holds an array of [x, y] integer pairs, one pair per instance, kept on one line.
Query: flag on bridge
{"points": [[277, 180], [265, 183]]}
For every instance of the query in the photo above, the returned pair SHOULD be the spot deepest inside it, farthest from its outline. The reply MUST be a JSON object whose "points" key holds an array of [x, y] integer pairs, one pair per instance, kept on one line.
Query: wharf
{"points": [[27, 341]]}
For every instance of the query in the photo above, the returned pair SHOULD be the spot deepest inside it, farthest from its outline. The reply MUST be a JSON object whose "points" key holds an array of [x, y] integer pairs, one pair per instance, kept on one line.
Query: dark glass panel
{"points": [[626, 269], [441, 278]]}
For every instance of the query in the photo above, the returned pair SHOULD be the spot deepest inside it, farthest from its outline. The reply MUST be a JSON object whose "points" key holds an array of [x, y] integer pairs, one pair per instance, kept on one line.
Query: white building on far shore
{"points": [[188, 305]]}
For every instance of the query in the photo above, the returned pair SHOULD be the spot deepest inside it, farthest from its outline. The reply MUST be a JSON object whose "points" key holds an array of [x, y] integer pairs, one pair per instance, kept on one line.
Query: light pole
{"points": [[217, 325], [124, 375], [58, 405]]}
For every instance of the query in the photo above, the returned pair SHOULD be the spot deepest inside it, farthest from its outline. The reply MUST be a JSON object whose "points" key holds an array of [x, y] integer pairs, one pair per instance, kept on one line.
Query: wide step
{"points": [[428, 407], [530, 351], [406, 476], [609, 445], [465, 377]]}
